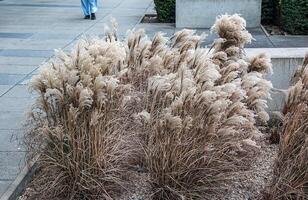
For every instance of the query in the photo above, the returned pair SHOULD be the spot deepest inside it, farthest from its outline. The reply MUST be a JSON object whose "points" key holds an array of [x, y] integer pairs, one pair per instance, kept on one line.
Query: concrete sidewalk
{"points": [[29, 32]]}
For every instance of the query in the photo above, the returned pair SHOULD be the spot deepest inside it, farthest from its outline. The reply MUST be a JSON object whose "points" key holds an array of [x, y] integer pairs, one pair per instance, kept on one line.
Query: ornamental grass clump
{"points": [[291, 168], [203, 113], [185, 114], [198, 109], [73, 124]]}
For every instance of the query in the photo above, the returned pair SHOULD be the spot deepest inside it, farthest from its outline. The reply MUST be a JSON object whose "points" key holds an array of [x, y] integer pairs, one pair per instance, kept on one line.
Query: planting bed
{"points": [[164, 118], [246, 185]]}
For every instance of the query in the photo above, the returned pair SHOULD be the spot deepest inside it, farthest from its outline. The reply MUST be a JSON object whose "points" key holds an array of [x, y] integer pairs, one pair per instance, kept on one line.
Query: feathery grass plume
{"points": [[144, 57], [291, 168], [232, 32], [260, 63], [257, 90], [235, 66], [73, 126]]}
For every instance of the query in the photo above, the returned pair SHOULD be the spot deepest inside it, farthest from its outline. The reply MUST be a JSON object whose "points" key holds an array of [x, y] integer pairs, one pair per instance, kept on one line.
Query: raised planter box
{"points": [[203, 13]]}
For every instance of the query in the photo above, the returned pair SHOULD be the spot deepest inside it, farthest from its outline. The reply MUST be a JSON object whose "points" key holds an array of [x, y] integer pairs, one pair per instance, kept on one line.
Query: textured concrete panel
{"points": [[202, 13]]}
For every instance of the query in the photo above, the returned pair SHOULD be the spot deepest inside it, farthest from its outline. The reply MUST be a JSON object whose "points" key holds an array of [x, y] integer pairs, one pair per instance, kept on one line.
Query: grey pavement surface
{"points": [[30, 30]]}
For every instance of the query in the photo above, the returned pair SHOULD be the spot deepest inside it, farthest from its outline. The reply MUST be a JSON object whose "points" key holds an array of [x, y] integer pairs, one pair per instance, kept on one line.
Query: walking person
{"points": [[89, 8]]}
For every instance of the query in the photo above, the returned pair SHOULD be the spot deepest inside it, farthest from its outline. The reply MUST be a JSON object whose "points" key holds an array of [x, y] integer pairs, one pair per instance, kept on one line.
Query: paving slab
{"points": [[12, 141], [52, 36], [30, 48], [19, 91], [4, 184], [20, 104], [10, 79], [47, 45], [15, 35], [4, 89], [13, 28], [11, 120], [9, 168], [16, 69], [5, 60], [10, 43], [26, 53], [124, 12]]}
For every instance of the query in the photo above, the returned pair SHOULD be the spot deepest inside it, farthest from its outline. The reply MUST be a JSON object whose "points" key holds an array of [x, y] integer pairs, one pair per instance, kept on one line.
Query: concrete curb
{"points": [[284, 53], [264, 30], [19, 184]]}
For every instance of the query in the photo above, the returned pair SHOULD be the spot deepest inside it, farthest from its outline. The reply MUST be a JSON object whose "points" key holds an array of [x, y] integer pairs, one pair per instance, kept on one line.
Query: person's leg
{"points": [[85, 8], [93, 8]]}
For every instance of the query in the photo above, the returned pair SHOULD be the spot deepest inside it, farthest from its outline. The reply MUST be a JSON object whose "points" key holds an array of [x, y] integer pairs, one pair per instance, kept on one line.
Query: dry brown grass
{"points": [[186, 114], [199, 111], [291, 169], [74, 124]]}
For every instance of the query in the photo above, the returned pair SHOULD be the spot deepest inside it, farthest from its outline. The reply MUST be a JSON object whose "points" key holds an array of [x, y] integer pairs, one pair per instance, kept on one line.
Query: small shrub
{"points": [[294, 16], [165, 10], [291, 169], [270, 11], [274, 127]]}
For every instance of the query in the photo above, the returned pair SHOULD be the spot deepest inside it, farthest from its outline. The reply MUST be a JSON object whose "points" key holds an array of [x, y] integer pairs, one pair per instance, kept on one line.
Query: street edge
{"points": [[19, 184]]}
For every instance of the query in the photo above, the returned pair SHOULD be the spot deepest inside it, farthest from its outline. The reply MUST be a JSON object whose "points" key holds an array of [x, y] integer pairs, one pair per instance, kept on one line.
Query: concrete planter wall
{"points": [[202, 13]]}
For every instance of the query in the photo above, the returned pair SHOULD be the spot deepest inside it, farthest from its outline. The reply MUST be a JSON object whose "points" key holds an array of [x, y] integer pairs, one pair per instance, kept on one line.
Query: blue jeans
{"points": [[89, 6]]}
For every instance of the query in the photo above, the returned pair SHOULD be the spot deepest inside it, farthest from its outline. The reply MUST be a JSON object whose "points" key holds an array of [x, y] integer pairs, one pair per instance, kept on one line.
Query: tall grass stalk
{"points": [[291, 168]]}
